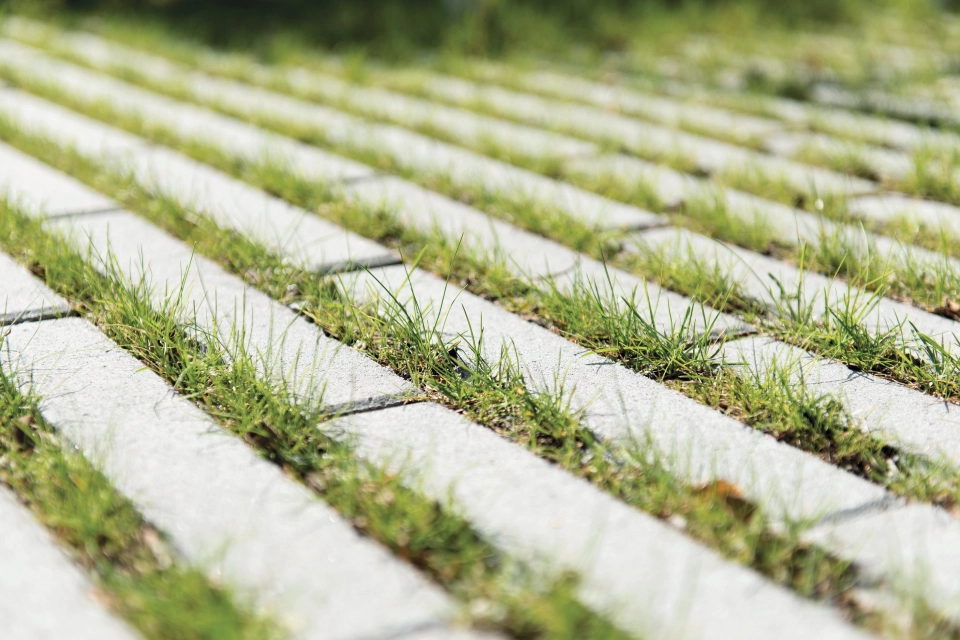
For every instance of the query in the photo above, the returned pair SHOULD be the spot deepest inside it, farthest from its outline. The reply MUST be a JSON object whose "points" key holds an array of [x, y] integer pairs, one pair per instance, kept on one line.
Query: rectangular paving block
{"points": [[677, 113], [409, 149], [461, 125], [310, 241], [652, 140], [223, 507], [524, 253], [187, 121], [885, 164], [46, 193], [286, 347], [669, 186], [43, 594], [23, 298], [892, 207], [916, 547], [783, 288], [906, 418], [699, 444], [641, 572]]}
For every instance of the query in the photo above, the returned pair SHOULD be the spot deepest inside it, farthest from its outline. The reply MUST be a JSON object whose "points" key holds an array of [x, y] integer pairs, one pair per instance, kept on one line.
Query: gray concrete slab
{"points": [[286, 347], [698, 443], [784, 288], [187, 121], [224, 507], [23, 298], [43, 594], [461, 125], [309, 240], [646, 575], [906, 418], [890, 207], [886, 164], [915, 547], [652, 140], [34, 189], [524, 253], [670, 186], [289, 231]]}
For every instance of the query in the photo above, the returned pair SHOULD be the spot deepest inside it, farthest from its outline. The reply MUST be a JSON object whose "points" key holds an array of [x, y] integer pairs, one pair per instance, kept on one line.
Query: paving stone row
{"points": [[36, 571], [549, 516], [646, 139], [232, 203], [411, 150], [785, 221], [223, 507]]}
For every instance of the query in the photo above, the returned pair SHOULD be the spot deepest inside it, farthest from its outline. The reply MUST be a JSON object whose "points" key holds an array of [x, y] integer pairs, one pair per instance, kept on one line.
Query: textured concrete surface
{"points": [[916, 547], [890, 207], [698, 443], [223, 506], [461, 125], [35, 189], [286, 347], [670, 187], [43, 594], [909, 419], [522, 252], [782, 287], [23, 297], [644, 573], [884, 163]]}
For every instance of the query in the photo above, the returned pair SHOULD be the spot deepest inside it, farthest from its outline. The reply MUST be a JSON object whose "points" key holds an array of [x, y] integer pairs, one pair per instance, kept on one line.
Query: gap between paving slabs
{"points": [[702, 563], [811, 229]]}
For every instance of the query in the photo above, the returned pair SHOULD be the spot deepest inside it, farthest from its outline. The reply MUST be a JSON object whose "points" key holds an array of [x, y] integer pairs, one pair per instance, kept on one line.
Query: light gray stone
{"points": [[698, 443], [784, 288], [915, 547], [889, 207], [43, 594], [224, 507], [524, 253], [294, 233], [908, 419], [461, 125], [307, 239], [88, 137], [670, 187], [23, 298], [885, 163], [651, 140], [727, 124], [646, 575], [187, 121], [286, 347], [35, 189]]}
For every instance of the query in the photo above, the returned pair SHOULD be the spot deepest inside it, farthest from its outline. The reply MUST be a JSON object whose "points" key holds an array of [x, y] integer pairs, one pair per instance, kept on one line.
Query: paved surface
{"points": [[227, 509]]}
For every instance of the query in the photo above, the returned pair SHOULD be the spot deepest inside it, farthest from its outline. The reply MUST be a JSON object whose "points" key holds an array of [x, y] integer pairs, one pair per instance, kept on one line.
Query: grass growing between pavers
{"points": [[496, 592], [805, 568], [540, 423], [136, 573]]}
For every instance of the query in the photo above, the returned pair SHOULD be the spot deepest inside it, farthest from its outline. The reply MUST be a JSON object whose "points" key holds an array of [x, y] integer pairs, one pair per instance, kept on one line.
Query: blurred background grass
{"points": [[399, 28]]}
